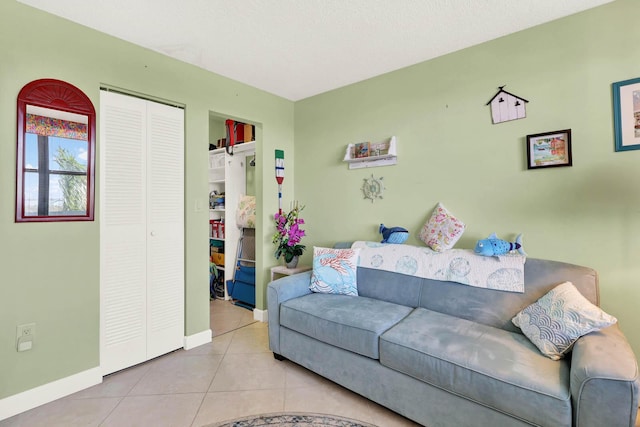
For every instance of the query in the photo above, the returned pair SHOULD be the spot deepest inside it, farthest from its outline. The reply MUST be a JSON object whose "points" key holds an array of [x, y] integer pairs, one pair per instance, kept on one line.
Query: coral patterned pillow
{"points": [[334, 271], [442, 230], [556, 321]]}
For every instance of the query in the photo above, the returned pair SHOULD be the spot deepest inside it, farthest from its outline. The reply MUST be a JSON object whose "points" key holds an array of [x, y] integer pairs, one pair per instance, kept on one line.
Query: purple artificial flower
{"points": [[288, 236]]}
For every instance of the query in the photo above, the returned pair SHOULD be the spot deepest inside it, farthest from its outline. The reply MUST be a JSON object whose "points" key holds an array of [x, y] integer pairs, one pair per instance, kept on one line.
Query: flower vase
{"points": [[293, 263]]}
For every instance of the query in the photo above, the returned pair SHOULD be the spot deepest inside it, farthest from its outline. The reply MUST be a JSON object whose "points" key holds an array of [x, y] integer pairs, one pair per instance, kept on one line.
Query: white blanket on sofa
{"points": [[504, 273]]}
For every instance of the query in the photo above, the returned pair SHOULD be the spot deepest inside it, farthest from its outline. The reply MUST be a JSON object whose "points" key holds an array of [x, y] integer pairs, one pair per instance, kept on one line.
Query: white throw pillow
{"points": [[442, 230], [246, 213], [556, 321]]}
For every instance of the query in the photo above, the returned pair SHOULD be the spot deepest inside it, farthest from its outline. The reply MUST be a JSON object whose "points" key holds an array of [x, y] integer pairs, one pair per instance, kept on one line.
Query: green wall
{"points": [[49, 273], [450, 152]]}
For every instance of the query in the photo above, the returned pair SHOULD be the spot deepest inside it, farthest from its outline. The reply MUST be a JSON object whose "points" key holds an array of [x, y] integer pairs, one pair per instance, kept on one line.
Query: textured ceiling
{"points": [[300, 48]]}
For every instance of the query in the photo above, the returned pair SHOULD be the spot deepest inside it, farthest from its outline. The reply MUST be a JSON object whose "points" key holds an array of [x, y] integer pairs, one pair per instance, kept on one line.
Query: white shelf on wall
{"points": [[237, 148], [387, 157]]}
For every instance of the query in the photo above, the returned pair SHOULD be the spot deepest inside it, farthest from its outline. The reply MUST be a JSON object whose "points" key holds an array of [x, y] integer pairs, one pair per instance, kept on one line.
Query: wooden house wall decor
{"points": [[506, 106]]}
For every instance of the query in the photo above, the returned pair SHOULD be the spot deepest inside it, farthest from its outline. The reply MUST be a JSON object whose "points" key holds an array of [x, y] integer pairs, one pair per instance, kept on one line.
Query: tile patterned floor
{"points": [[225, 316], [233, 376]]}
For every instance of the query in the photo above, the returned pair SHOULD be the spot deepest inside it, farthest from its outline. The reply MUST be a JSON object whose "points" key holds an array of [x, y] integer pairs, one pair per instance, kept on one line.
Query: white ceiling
{"points": [[300, 48]]}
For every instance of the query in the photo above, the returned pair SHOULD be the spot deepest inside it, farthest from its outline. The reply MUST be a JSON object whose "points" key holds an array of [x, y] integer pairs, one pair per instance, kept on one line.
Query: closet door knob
{"points": [[153, 233]]}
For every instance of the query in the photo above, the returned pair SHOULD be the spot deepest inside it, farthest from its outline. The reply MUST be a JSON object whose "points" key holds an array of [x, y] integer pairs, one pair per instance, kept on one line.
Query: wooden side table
{"points": [[281, 270]]}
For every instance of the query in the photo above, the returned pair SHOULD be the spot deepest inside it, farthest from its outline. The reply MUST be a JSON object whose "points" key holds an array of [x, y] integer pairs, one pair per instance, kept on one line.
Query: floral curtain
{"points": [[48, 126]]}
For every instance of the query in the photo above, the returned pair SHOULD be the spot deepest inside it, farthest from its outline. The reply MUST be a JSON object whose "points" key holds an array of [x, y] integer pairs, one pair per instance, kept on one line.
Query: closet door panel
{"points": [[165, 226], [123, 236]]}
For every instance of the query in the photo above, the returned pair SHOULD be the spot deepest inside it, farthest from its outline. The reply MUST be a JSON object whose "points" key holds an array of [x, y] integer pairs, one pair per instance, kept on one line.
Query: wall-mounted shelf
{"points": [[377, 154], [237, 148]]}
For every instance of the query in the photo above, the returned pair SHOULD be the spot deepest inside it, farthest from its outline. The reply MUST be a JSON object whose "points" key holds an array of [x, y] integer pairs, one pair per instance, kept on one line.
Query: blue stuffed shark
{"points": [[393, 235], [492, 246]]}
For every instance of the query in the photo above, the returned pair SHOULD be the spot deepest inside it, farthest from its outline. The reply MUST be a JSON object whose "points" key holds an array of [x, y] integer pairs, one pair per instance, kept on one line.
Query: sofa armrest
{"points": [[279, 291], [604, 380]]}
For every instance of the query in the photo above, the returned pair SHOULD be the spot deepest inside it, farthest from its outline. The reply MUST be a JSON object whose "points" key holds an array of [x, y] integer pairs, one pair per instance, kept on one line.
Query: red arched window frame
{"points": [[61, 96]]}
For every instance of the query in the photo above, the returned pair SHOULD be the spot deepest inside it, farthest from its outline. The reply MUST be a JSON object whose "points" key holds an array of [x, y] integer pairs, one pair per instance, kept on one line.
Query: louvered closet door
{"points": [[165, 218], [142, 257], [123, 231]]}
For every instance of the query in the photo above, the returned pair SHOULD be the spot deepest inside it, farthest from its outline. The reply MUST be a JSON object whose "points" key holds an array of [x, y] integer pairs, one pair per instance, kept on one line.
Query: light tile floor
{"points": [[233, 376], [225, 316]]}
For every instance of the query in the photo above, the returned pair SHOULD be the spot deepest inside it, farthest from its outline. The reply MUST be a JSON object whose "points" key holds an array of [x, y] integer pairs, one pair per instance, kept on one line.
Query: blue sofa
{"points": [[446, 354]]}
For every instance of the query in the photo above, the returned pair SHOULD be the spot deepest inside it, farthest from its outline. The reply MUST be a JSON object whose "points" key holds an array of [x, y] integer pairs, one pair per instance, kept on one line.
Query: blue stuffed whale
{"points": [[393, 235], [492, 246]]}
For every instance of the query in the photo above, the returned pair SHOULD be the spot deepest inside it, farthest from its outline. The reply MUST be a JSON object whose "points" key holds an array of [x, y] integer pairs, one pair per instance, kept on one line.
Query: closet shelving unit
{"points": [[227, 174], [217, 184]]}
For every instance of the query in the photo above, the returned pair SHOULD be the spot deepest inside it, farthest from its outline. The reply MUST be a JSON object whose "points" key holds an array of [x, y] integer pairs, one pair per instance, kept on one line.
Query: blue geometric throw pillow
{"points": [[334, 271], [556, 321]]}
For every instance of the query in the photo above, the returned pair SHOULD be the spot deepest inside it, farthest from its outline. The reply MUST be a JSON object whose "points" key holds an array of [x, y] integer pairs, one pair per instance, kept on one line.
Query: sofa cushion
{"points": [[491, 366], [349, 322]]}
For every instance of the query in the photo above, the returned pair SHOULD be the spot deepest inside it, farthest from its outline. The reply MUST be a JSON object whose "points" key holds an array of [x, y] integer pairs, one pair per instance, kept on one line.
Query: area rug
{"points": [[292, 419]]}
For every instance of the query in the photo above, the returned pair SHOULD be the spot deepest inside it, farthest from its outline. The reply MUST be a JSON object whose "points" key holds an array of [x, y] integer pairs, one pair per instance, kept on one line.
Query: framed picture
{"points": [[626, 114], [549, 149], [361, 150]]}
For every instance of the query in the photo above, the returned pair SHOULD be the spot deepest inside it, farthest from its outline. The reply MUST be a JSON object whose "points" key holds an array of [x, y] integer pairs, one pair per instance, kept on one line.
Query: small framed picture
{"points": [[549, 149], [361, 150], [626, 114]]}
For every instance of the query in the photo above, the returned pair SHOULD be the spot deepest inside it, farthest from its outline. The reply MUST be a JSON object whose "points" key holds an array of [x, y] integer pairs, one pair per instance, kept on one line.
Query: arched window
{"points": [[56, 153]]}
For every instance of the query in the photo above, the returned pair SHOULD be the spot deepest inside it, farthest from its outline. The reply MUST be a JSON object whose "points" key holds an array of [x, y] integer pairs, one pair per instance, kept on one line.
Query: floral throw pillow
{"points": [[442, 230], [556, 321], [246, 213], [335, 271]]}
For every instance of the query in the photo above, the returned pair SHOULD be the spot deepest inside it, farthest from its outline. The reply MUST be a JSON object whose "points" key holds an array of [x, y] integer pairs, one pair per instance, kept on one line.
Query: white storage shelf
{"points": [[228, 174], [389, 156], [216, 175], [216, 183]]}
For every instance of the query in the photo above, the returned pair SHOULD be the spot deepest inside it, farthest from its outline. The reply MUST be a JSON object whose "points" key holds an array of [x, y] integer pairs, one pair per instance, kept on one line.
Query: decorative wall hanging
{"points": [[280, 176], [549, 149], [506, 106], [626, 114], [372, 188]]}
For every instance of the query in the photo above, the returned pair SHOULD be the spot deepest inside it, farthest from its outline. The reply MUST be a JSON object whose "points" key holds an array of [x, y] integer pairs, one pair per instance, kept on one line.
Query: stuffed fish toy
{"points": [[393, 235], [492, 246]]}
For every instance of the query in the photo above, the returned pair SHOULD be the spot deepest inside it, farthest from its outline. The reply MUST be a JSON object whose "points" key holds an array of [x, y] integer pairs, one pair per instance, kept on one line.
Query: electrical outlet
{"points": [[25, 335]]}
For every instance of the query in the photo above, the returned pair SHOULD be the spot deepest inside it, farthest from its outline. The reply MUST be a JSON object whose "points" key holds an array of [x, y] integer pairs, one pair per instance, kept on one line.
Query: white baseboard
{"points": [[195, 340], [260, 315], [21, 402]]}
